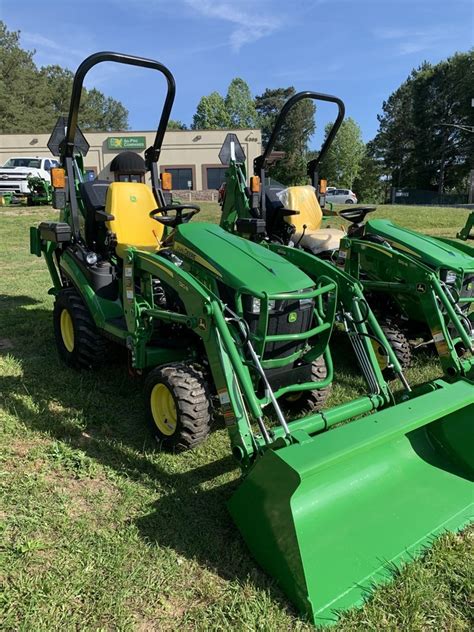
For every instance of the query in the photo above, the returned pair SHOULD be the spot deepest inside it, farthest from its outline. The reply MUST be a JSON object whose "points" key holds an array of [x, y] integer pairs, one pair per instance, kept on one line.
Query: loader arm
{"points": [[418, 280], [465, 232]]}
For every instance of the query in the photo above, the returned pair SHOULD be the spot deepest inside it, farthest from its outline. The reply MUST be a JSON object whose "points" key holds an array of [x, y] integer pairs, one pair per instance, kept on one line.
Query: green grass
{"points": [[103, 532]]}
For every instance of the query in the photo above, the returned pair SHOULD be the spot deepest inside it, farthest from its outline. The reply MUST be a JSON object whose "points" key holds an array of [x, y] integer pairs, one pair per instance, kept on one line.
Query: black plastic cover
{"points": [[250, 226], [58, 135], [57, 232], [224, 154]]}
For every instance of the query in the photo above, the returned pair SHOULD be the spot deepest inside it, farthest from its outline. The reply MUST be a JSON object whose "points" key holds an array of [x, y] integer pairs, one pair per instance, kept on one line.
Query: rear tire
{"points": [[78, 341], [179, 406], [305, 402], [400, 346]]}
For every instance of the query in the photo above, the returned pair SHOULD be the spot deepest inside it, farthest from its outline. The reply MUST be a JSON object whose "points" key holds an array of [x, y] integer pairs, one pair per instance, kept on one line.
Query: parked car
{"points": [[17, 170], [340, 196]]}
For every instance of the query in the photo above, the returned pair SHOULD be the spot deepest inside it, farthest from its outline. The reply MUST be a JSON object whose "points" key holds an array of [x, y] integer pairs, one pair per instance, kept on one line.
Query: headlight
{"points": [[450, 276], [91, 258], [254, 305]]}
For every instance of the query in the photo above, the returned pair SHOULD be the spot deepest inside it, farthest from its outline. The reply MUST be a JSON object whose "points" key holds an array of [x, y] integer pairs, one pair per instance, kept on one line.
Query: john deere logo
{"points": [[292, 317], [133, 198]]}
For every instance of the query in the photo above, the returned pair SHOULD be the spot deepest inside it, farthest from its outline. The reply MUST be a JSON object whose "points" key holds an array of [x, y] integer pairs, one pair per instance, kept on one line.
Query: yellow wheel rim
{"points": [[294, 397], [67, 330], [381, 358], [163, 409]]}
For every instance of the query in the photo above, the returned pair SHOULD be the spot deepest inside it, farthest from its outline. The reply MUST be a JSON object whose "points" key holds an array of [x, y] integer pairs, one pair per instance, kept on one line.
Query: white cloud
{"points": [[408, 41], [41, 43], [248, 25]]}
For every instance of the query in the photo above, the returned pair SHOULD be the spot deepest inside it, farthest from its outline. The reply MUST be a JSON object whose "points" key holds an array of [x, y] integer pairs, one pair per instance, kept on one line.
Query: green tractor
{"points": [[420, 288], [465, 232], [221, 322], [40, 191]]}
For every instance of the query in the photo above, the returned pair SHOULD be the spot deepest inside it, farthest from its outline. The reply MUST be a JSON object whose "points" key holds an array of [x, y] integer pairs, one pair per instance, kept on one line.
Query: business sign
{"points": [[126, 142]]}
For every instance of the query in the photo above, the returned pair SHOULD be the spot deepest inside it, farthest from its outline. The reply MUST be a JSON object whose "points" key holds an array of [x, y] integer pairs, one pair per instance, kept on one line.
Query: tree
{"points": [[101, 113], [240, 106], [294, 135], [176, 125], [343, 161], [370, 184], [211, 113], [58, 83], [424, 136], [31, 99], [20, 98]]}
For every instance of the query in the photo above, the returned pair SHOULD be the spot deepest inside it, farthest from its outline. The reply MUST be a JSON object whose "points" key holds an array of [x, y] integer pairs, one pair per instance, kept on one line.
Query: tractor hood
{"points": [[431, 251], [239, 263]]}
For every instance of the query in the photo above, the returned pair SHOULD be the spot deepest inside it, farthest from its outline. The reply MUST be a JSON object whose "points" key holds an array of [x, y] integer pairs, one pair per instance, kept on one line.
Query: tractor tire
{"points": [[400, 346], [78, 341], [179, 406], [306, 402]]}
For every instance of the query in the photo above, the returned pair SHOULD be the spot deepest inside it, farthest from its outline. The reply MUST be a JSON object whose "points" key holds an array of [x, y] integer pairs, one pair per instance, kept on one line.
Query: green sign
{"points": [[126, 142]]}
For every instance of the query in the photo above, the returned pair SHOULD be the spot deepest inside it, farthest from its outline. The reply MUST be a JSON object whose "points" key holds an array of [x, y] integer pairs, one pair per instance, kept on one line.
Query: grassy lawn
{"points": [[103, 532]]}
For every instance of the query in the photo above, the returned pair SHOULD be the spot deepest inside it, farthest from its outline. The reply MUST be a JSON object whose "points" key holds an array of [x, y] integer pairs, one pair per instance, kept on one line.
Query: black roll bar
{"points": [[260, 162], [153, 152]]}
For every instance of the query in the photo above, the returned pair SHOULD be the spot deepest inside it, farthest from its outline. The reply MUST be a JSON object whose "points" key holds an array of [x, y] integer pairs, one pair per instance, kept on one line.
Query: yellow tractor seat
{"points": [[315, 239], [130, 204]]}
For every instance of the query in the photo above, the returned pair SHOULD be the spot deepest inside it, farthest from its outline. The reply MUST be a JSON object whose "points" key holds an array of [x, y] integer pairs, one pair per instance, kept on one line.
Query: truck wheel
{"points": [[78, 341], [400, 346], [304, 402], [179, 408]]}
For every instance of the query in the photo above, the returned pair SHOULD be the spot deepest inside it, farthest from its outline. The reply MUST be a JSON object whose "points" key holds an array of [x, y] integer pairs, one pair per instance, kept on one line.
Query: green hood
{"points": [[431, 251], [239, 262]]}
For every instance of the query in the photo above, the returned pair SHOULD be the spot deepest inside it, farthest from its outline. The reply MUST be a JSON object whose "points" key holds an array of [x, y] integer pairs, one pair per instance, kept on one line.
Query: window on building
{"points": [[215, 177], [182, 178], [129, 177]]}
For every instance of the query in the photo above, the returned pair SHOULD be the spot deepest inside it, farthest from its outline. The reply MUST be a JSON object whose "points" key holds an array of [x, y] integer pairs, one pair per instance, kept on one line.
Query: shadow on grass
{"points": [[101, 414]]}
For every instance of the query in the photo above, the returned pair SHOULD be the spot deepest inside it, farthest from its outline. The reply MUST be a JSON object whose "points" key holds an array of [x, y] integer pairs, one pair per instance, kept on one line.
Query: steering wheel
{"points": [[356, 215], [178, 217]]}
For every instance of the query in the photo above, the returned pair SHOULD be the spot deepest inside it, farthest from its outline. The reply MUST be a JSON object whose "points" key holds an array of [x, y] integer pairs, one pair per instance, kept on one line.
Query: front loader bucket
{"points": [[327, 515]]}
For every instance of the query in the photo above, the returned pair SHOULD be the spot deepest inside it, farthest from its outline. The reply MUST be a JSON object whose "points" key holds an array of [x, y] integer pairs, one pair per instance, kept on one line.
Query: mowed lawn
{"points": [[102, 531]]}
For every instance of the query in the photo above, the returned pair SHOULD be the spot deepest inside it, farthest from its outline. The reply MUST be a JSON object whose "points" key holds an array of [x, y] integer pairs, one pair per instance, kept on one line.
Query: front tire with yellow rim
{"points": [[179, 407], [400, 344], [78, 341], [305, 402]]}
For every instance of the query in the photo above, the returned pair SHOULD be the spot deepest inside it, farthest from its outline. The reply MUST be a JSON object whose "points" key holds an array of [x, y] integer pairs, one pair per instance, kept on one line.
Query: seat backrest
{"points": [[130, 203], [303, 199], [94, 193]]}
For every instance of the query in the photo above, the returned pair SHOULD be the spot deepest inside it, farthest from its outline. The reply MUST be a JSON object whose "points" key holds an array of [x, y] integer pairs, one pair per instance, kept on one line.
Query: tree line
{"points": [[32, 98], [425, 137]]}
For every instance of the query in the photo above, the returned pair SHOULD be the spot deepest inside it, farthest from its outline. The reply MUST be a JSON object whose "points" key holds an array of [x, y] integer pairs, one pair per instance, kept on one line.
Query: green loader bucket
{"points": [[327, 517]]}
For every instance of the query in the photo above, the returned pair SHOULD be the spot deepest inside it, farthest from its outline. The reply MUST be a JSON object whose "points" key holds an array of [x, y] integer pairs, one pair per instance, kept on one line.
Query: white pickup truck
{"points": [[15, 173]]}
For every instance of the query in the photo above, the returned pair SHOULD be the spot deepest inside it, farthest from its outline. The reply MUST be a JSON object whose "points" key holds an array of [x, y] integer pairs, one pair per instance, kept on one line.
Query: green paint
{"points": [[329, 516], [328, 512]]}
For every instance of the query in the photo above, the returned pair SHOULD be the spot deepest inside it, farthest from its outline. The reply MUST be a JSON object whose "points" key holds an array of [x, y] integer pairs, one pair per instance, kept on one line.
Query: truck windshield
{"points": [[32, 163]]}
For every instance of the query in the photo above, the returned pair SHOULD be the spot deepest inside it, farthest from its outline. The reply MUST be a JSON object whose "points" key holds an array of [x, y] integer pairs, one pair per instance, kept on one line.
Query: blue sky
{"points": [[360, 50]]}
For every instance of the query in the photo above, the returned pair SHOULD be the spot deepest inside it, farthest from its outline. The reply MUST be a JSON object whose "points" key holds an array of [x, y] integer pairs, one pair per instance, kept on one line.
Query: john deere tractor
{"points": [[465, 232], [218, 321], [421, 288]]}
